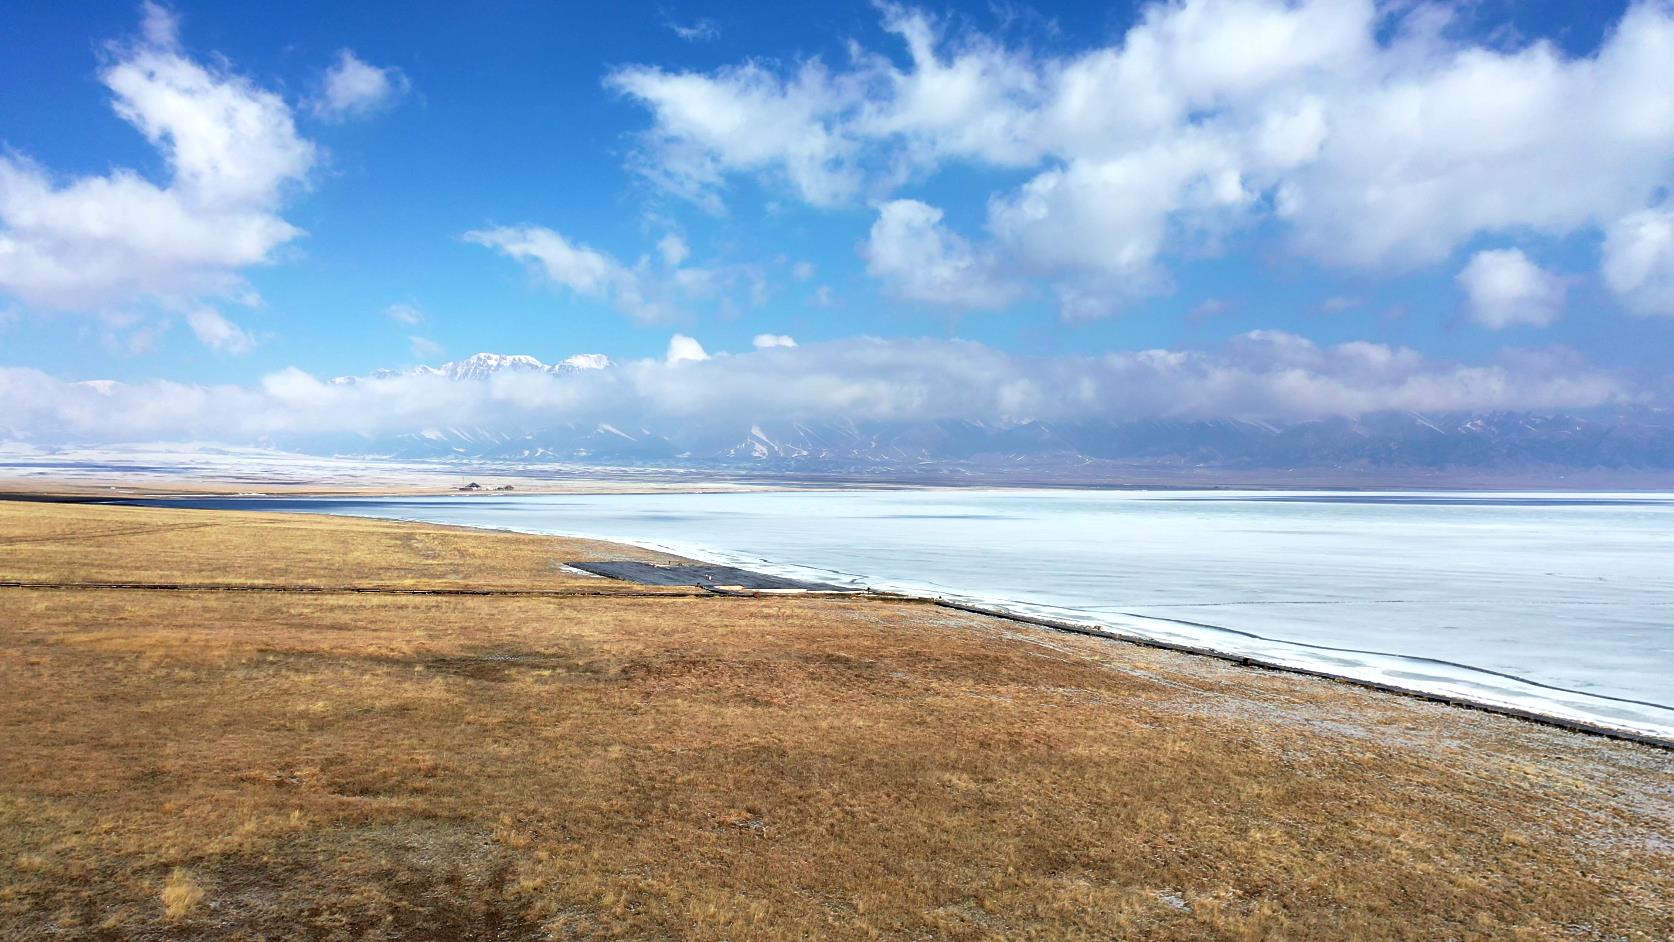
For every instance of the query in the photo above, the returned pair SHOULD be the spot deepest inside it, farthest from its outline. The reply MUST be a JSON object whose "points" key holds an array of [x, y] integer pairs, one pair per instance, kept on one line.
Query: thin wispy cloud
{"points": [[404, 314], [697, 31], [658, 287], [219, 333], [1207, 310], [423, 348]]}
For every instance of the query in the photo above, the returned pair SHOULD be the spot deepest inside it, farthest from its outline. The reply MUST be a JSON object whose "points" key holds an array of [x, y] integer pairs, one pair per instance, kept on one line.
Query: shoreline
{"points": [[1544, 719], [999, 609], [139, 470], [1109, 633]]}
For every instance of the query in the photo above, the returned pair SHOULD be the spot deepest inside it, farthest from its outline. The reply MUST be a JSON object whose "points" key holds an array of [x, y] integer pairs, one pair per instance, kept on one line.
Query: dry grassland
{"points": [[278, 765]]}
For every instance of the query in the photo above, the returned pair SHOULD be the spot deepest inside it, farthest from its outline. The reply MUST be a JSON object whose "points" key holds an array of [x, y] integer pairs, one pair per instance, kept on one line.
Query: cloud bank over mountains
{"points": [[1368, 136], [1263, 375]]}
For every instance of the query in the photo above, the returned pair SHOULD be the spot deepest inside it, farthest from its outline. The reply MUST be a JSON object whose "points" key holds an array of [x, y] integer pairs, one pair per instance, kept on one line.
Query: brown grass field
{"points": [[280, 764]]}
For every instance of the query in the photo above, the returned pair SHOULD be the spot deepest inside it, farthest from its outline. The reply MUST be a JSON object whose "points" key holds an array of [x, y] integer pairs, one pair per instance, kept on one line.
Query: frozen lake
{"points": [[1559, 603]]}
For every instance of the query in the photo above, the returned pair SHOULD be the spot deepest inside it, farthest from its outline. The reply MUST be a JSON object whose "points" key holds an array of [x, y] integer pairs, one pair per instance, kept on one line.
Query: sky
{"points": [[991, 211]]}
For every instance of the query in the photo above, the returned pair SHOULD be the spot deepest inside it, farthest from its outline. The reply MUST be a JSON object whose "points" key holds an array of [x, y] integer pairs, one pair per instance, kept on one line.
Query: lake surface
{"points": [[1558, 603]]}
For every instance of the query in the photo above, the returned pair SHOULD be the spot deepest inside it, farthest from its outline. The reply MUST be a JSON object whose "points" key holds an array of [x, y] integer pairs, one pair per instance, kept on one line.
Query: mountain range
{"points": [[484, 365], [1635, 441]]}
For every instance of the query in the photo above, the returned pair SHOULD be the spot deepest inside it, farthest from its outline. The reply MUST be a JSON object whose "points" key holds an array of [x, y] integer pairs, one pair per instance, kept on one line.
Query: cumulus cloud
{"points": [[743, 118], [100, 243], [919, 259], [682, 349], [352, 88], [1503, 288], [1639, 262], [1373, 135], [767, 341], [1261, 375]]}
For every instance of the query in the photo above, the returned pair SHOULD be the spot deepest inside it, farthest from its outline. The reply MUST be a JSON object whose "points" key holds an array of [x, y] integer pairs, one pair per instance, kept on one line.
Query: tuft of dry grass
{"points": [[335, 766], [181, 895]]}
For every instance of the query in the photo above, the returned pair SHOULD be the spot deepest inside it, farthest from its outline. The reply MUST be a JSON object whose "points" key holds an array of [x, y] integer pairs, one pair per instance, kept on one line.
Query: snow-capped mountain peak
{"points": [[482, 365], [586, 361]]}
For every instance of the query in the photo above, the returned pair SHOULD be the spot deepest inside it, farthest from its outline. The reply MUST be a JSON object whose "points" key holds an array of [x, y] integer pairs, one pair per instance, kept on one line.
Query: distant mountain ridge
{"points": [[1631, 440], [483, 365]]}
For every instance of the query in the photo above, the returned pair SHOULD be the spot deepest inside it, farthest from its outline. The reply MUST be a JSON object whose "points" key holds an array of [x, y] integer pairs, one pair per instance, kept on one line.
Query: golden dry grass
{"points": [[94, 543], [330, 766]]}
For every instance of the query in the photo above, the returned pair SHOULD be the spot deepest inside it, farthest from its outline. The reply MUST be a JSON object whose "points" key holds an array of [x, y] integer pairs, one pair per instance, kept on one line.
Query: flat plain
{"points": [[237, 725]]}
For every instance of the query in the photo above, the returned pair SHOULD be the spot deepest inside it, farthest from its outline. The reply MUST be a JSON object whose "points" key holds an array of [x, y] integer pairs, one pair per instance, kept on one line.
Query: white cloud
{"points": [[1262, 375], [802, 271], [743, 118], [682, 349], [404, 313], [919, 259], [768, 341], [352, 88], [97, 243], [217, 332], [1374, 135], [1639, 262], [1503, 288], [1097, 227]]}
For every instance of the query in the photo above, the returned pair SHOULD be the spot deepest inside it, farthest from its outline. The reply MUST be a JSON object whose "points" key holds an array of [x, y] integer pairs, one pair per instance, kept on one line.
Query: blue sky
{"points": [[726, 171]]}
